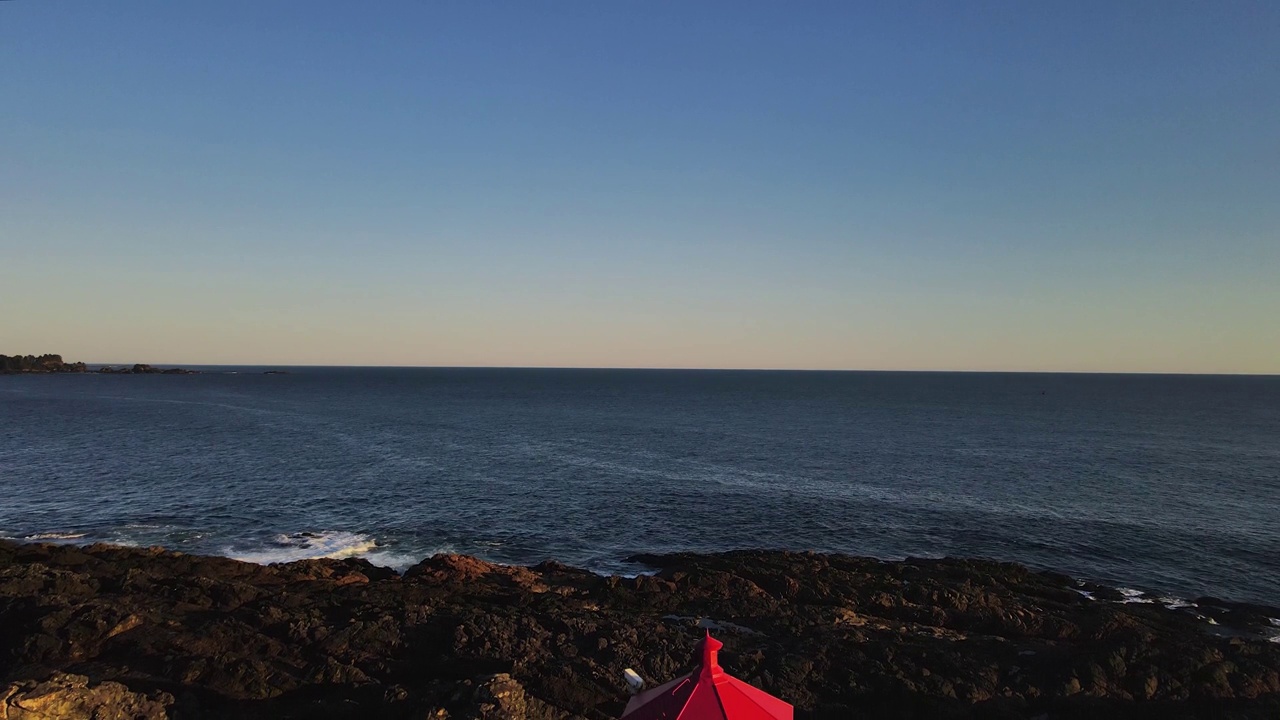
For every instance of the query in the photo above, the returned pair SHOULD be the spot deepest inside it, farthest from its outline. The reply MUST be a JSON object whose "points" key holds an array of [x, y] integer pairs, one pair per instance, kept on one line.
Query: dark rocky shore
{"points": [[109, 632], [43, 364]]}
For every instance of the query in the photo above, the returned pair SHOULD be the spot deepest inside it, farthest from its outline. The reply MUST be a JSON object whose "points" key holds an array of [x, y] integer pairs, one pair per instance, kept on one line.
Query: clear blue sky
{"points": [[1085, 186]]}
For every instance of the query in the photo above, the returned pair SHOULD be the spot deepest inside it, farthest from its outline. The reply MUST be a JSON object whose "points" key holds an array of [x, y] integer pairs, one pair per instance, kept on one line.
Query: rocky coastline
{"points": [[109, 632], [50, 363]]}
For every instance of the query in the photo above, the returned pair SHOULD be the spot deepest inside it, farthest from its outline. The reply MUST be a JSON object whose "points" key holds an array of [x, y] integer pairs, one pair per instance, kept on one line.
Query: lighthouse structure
{"points": [[707, 693]]}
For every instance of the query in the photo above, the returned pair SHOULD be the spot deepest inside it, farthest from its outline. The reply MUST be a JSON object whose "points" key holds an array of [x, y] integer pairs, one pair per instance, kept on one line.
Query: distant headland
{"points": [[48, 363]]}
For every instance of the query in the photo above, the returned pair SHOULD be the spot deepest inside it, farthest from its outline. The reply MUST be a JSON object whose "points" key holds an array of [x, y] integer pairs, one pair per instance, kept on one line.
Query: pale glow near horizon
{"points": [[442, 186]]}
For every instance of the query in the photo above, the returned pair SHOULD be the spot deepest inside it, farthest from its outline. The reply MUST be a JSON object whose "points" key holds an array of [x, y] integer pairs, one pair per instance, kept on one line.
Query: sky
{"points": [[1070, 186]]}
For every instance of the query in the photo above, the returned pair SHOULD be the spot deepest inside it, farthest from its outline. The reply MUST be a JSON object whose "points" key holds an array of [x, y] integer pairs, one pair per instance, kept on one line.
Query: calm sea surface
{"points": [[1162, 483]]}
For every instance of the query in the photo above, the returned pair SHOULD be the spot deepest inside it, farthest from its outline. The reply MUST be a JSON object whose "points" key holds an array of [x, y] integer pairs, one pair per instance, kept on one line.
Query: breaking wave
{"points": [[308, 546]]}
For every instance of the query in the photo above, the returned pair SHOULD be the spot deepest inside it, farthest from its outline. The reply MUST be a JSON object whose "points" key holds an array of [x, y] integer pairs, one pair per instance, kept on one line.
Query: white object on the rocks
{"points": [[634, 681]]}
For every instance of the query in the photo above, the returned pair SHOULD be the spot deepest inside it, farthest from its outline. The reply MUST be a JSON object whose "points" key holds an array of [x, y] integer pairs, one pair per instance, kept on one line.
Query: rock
{"points": [[500, 697], [458, 637], [10, 365], [37, 364], [72, 697]]}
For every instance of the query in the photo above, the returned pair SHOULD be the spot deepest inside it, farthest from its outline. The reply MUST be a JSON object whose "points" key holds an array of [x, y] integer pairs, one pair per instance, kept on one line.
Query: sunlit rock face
{"points": [[73, 696]]}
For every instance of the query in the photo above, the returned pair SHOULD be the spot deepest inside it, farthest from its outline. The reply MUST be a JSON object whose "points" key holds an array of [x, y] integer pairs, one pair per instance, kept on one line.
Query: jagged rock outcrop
{"points": [[457, 637], [73, 697]]}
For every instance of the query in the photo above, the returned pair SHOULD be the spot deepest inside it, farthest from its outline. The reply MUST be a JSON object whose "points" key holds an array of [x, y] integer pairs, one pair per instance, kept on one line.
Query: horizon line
{"points": [[708, 369]]}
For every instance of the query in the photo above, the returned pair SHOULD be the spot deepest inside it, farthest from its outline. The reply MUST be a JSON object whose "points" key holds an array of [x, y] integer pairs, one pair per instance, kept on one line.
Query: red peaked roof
{"points": [[707, 693]]}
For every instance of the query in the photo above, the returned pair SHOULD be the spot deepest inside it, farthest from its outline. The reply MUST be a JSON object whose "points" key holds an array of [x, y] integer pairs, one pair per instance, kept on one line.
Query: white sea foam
{"points": [[1133, 596], [308, 546], [54, 536], [629, 574], [399, 560], [1130, 595]]}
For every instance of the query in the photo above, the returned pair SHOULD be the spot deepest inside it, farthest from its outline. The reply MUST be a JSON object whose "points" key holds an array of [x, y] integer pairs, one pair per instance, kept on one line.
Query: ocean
{"points": [[1167, 484]]}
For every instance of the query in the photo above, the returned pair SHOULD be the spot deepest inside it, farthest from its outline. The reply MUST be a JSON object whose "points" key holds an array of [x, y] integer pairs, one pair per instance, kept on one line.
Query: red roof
{"points": [[707, 693]]}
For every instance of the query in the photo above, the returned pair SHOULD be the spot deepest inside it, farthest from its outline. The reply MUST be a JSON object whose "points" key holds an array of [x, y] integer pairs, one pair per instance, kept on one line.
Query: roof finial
{"points": [[707, 693], [710, 647]]}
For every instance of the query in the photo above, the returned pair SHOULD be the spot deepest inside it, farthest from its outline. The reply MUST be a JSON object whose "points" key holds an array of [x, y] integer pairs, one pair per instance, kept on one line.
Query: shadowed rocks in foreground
{"points": [[149, 634]]}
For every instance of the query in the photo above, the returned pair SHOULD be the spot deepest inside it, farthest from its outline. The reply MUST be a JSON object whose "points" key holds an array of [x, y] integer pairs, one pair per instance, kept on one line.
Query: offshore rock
{"points": [[24, 364], [458, 637], [144, 369]]}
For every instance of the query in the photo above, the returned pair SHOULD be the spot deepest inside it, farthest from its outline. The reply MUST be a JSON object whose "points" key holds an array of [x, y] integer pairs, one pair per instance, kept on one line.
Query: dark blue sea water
{"points": [[1163, 483]]}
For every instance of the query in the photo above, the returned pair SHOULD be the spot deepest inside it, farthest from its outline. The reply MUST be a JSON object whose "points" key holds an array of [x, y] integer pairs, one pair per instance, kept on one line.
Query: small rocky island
{"points": [[23, 364], [113, 632]]}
